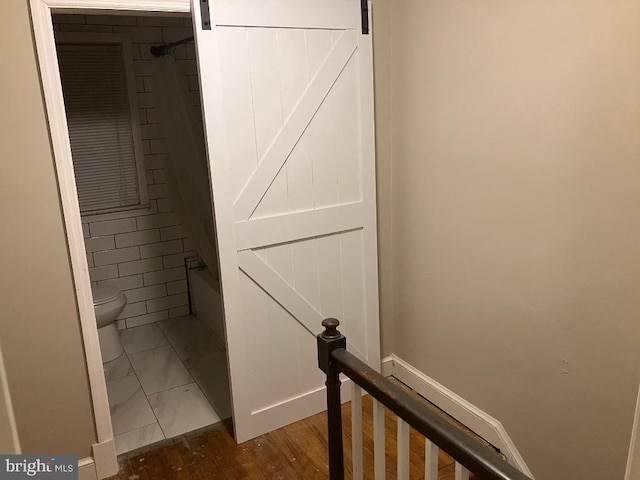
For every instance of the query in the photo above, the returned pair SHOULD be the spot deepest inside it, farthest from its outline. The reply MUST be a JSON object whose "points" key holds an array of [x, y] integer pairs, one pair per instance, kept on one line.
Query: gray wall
{"points": [[515, 217], [39, 322]]}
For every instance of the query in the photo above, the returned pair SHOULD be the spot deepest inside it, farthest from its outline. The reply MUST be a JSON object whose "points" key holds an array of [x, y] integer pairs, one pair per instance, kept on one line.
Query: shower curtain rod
{"points": [[160, 50]]}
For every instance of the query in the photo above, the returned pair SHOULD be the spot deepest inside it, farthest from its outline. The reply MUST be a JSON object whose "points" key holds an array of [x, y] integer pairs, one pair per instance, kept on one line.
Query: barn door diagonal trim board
{"points": [[295, 126], [280, 291]]}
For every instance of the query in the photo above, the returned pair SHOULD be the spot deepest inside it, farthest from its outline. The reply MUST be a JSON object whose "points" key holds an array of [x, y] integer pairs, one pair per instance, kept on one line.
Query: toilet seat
{"points": [[108, 303], [104, 294]]}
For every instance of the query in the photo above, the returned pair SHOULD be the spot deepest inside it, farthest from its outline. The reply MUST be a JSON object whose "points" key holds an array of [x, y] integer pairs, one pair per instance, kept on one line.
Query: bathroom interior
{"points": [[136, 134]]}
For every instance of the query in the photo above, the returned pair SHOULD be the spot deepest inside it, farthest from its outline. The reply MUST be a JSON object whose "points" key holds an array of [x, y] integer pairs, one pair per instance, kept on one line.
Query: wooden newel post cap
{"points": [[330, 328], [328, 341]]}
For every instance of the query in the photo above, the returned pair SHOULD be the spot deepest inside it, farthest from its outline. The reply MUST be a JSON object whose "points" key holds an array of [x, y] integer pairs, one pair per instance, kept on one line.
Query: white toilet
{"points": [[108, 303]]}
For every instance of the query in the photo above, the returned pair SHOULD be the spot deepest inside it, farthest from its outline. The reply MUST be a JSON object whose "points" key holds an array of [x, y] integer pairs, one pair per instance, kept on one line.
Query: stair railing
{"points": [[470, 454]]}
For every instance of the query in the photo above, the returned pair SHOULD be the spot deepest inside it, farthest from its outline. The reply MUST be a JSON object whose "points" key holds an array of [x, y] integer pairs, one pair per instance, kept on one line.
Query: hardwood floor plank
{"points": [[297, 451]]}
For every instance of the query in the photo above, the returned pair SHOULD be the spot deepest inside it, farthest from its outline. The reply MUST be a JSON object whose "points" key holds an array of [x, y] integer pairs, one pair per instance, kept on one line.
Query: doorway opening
{"points": [[141, 172]]}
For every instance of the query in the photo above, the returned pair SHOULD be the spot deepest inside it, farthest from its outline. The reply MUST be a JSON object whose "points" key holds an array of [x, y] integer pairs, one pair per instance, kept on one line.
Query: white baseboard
{"points": [[103, 463], [386, 366], [106, 459], [466, 413], [87, 469]]}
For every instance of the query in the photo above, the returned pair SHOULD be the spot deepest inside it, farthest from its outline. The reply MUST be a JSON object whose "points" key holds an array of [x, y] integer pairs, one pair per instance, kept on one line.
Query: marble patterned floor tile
{"points": [[190, 337], [139, 339], [159, 369], [118, 368], [128, 405], [141, 437], [182, 409]]}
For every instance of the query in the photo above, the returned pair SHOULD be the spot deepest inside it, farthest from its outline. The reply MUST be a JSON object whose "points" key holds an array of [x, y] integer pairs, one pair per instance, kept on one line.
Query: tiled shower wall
{"points": [[142, 251]]}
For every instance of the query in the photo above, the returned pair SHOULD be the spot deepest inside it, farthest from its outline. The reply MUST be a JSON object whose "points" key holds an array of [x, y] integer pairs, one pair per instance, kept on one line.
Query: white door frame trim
{"points": [[104, 453], [7, 409], [633, 456]]}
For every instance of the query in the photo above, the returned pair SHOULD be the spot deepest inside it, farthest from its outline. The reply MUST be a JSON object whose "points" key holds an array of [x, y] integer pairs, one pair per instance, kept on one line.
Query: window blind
{"points": [[99, 118]]}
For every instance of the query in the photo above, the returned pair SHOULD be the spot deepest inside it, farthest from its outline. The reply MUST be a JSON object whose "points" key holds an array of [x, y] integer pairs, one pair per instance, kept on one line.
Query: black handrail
{"points": [[333, 358]]}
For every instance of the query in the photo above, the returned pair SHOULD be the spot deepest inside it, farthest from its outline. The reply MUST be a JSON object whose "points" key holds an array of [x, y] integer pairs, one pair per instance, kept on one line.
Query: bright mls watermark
{"points": [[45, 467]]}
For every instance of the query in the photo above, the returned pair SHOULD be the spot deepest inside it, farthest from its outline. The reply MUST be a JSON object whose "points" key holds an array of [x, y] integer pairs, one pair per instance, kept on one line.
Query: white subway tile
{"points": [[149, 177], [164, 205], [142, 113], [159, 176], [191, 51], [179, 311], [141, 34], [153, 115], [139, 84], [90, 260], [146, 319], [187, 67], [160, 21], [164, 276], [146, 293], [165, 303], [176, 259], [149, 132], [111, 20], [172, 233], [118, 255], [180, 52], [175, 34], [124, 283], [194, 98], [194, 84], [140, 266], [133, 310], [157, 145], [146, 147], [188, 245], [179, 286], [149, 84], [145, 51], [143, 68], [146, 100], [97, 244], [153, 207], [153, 162], [85, 230], [110, 227], [102, 273], [159, 249], [69, 18], [121, 324], [157, 191], [137, 238], [135, 51], [157, 221], [86, 28]]}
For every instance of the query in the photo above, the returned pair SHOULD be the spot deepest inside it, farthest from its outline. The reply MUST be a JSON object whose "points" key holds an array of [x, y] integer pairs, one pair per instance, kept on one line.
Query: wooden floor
{"points": [[297, 451]]}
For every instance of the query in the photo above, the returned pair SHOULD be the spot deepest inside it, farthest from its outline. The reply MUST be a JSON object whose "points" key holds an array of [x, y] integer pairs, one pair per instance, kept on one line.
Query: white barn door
{"points": [[287, 89]]}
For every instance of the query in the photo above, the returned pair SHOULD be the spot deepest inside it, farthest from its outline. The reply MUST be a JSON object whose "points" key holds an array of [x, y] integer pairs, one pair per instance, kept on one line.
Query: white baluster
{"points": [[378, 441], [430, 460], [403, 449], [356, 431], [461, 472]]}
